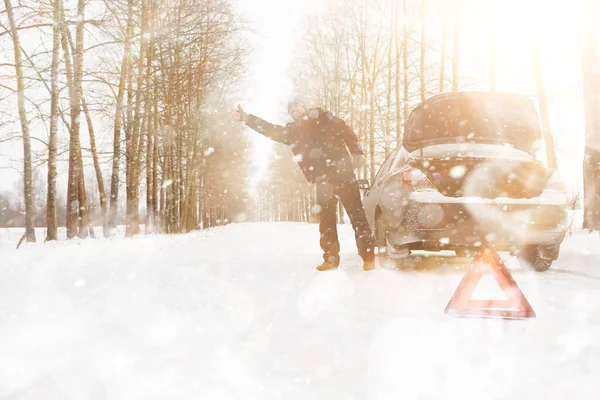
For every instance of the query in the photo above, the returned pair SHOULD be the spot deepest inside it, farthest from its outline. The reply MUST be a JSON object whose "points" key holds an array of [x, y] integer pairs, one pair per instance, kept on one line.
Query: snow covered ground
{"points": [[239, 312]]}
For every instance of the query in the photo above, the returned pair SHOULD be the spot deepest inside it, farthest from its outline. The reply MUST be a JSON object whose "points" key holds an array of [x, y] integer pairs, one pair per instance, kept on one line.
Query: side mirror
{"points": [[363, 184]]}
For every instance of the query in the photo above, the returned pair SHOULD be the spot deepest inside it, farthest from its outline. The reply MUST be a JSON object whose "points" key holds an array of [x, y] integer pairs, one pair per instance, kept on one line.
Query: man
{"points": [[320, 143]]}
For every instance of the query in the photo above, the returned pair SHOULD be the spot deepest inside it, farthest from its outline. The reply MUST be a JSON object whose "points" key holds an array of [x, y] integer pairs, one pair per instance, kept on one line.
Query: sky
{"points": [[555, 26], [278, 27]]}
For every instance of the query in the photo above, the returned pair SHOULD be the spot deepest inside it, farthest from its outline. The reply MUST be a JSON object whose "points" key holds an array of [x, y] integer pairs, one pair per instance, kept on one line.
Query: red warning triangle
{"points": [[515, 306]]}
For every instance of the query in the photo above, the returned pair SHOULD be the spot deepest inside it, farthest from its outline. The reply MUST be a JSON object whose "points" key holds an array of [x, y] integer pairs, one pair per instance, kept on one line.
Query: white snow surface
{"points": [[239, 312]]}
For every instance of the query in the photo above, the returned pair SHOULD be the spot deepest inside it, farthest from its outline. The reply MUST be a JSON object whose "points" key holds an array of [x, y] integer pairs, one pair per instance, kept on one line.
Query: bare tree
{"points": [[388, 115], [397, 78], [456, 47], [123, 77], [51, 219], [77, 214], [27, 168], [135, 139], [405, 65], [423, 48], [97, 169], [178, 63], [443, 49], [591, 97], [400, 56]]}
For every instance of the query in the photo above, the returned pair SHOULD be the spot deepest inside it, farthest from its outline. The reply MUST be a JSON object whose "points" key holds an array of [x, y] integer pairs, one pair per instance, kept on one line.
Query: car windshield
{"points": [[475, 118]]}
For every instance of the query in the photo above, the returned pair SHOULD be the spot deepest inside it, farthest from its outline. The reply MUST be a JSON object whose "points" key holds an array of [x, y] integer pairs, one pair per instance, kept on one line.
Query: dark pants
{"points": [[327, 198]]}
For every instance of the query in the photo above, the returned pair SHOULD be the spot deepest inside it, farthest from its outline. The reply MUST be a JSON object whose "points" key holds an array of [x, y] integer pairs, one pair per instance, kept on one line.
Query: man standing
{"points": [[320, 143]]}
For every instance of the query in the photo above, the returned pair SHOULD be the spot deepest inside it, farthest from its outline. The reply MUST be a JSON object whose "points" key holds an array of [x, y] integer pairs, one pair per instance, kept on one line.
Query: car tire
{"points": [[530, 257], [383, 255]]}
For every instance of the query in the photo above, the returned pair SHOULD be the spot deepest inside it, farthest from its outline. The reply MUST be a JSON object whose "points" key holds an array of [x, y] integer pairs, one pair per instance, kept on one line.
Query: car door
{"points": [[371, 196]]}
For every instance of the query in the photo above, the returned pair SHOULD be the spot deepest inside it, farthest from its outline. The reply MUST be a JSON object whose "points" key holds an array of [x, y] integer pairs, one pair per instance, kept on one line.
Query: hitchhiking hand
{"points": [[240, 115], [358, 161]]}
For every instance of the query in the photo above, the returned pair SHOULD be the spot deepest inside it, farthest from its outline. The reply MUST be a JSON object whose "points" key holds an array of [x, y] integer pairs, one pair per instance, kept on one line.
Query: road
{"points": [[239, 312]]}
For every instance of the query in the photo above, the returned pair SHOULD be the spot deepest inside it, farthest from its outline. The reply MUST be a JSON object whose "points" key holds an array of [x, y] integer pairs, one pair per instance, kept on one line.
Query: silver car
{"points": [[468, 172]]}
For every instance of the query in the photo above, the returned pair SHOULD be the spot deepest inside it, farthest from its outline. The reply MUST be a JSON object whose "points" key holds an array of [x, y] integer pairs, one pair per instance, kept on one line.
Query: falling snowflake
{"points": [[458, 171], [79, 283]]}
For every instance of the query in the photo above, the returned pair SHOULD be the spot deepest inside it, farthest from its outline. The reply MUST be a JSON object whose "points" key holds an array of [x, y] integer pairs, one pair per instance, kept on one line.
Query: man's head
{"points": [[297, 108]]}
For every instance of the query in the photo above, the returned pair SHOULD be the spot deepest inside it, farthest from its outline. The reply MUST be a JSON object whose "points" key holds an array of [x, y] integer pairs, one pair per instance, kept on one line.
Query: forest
{"points": [[118, 112]]}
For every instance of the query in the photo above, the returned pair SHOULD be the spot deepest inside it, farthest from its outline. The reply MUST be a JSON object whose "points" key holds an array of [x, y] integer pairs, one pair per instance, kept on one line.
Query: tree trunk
{"points": [[133, 166], [155, 190], [443, 50], [27, 169], [455, 52], [84, 219], [72, 181], [77, 215], [97, 169], [150, 129], [388, 115], [363, 98], [397, 80], [423, 48], [125, 66], [591, 97], [149, 173], [129, 146], [544, 109], [51, 219], [405, 63]]}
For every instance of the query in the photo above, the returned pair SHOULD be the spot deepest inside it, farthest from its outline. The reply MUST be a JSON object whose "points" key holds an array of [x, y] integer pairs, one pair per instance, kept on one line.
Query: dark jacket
{"points": [[320, 142]]}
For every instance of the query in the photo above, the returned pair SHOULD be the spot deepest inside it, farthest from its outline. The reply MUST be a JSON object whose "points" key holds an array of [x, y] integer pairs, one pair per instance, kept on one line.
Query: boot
{"points": [[369, 265], [326, 266]]}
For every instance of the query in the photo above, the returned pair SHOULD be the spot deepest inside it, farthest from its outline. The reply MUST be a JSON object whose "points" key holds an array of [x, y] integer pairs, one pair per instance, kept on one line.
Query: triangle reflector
{"points": [[514, 306]]}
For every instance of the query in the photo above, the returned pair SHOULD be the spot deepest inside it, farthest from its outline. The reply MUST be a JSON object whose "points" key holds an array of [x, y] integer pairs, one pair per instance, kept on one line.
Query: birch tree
{"points": [[51, 218], [123, 76], [77, 214], [27, 168]]}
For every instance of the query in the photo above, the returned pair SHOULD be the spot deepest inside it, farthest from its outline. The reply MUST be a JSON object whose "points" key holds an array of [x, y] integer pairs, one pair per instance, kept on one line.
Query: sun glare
{"points": [[552, 28]]}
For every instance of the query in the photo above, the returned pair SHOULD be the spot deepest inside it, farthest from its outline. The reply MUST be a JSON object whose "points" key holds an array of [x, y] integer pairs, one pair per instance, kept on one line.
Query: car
{"points": [[469, 172]]}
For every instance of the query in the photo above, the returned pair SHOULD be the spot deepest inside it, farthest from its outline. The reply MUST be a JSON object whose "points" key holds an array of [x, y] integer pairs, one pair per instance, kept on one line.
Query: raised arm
{"points": [[277, 133]]}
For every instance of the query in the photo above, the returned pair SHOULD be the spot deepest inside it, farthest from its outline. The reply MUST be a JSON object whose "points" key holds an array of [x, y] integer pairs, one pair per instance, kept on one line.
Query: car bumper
{"points": [[439, 225]]}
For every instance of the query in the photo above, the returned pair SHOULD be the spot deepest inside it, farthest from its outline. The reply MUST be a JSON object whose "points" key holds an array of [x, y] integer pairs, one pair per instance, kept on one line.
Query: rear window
{"points": [[484, 118]]}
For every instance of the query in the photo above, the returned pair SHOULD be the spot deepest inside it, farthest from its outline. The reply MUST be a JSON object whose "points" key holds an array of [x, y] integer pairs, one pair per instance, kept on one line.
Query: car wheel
{"points": [[383, 254], [530, 257]]}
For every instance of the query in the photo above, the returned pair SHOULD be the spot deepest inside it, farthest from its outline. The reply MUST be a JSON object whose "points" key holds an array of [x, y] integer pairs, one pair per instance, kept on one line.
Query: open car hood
{"points": [[474, 117]]}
